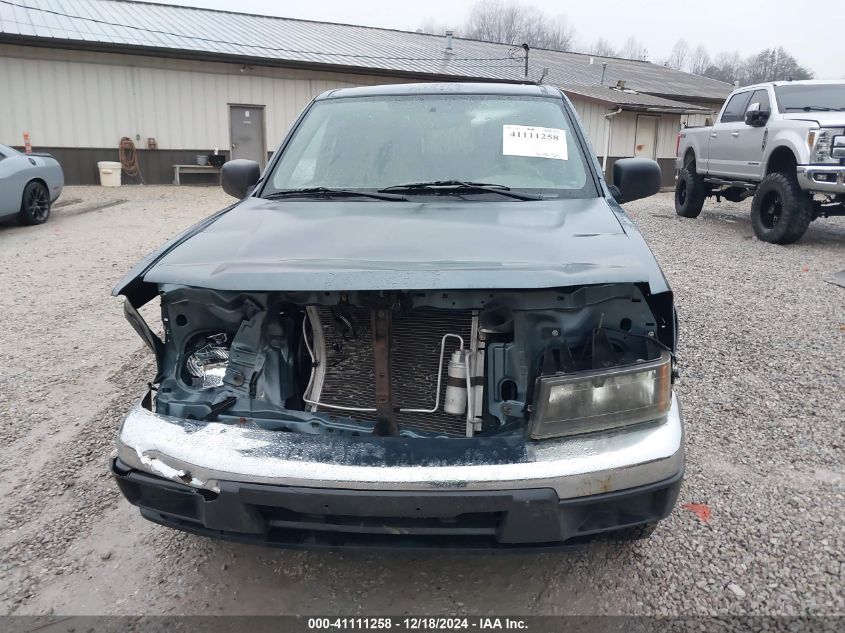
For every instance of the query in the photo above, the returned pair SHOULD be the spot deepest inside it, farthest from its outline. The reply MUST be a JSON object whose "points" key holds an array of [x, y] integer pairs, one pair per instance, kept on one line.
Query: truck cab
{"points": [[782, 143]]}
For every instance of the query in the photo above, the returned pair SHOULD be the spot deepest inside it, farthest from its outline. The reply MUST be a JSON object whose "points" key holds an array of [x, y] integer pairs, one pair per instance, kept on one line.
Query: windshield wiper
{"points": [[460, 186], [814, 108], [327, 192]]}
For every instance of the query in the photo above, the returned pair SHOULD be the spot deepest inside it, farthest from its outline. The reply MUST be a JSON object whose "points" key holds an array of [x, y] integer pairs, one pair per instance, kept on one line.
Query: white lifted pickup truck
{"points": [[782, 143]]}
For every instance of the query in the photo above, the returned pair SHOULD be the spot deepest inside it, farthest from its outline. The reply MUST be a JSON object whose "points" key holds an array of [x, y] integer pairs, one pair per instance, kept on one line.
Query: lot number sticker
{"points": [[535, 142]]}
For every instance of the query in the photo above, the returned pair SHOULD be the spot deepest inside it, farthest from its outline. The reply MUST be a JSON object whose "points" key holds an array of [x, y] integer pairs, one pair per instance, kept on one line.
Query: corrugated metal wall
{"points": [[624, 129], [84, 99], [698, 120], [87, 99]]}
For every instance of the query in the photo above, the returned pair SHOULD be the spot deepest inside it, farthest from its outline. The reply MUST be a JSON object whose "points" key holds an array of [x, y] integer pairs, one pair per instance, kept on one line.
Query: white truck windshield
{"points": [[809, 98]]}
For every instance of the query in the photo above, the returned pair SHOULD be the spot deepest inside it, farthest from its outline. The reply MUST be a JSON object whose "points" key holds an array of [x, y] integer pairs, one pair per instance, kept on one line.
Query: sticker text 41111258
{"points": [[534, 142]]}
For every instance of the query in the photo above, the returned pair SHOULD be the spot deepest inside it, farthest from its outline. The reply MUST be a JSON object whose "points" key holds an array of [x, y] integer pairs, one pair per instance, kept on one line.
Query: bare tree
{"points": [[728, 67], [552, 32], [633, 49], [510, 22], [774, 64], [679, 57], [602, 48], [699, 60], [771, 64], [434, 27]]}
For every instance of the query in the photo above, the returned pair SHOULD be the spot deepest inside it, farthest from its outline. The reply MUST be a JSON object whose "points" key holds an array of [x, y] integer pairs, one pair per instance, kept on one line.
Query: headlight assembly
{"points": [[822, 144], [583, 402], [207, 365]]}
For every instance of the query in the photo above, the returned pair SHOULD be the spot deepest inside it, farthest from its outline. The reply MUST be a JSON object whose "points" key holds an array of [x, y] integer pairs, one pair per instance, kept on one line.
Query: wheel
{"points": [[689, 193], [35, 204], [636, 533], [781, 211]]}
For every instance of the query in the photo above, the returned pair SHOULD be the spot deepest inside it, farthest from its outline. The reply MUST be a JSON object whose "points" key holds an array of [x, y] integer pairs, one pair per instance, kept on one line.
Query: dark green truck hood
{"points": [[269, 245]]}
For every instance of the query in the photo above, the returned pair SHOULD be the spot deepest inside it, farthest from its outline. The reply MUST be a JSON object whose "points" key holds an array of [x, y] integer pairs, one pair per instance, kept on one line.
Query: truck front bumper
{"points": [[822, 178], [295, 490]]}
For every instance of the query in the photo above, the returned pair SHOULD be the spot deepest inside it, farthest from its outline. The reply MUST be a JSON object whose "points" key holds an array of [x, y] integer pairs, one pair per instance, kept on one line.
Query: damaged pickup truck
{"points": [[427, 323]]}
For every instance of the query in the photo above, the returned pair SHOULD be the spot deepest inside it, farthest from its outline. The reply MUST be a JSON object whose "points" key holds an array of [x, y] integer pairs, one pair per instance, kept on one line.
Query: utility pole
{"points": [[525, 48]]}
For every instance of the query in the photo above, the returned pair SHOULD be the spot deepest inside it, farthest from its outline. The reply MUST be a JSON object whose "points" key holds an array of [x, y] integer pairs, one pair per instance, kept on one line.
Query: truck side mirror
{"points": [[239, 176], [755, 117], [635, 178]]}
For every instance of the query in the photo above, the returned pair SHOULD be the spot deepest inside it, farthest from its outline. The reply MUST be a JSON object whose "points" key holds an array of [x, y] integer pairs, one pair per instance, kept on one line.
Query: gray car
{"points": [[29, 185], [428, 323]]}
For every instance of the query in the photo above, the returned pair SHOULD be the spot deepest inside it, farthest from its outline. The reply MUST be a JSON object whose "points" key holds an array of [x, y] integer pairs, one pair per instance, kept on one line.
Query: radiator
{"points": [[415, 353]]}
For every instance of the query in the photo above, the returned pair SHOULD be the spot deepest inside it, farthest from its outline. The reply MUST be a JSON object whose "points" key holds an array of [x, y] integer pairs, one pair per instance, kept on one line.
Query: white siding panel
{"points": [[19, 120], [89, 99], [623, 134], [696, 120], [667, 136], [593, 117], [624, 128]]}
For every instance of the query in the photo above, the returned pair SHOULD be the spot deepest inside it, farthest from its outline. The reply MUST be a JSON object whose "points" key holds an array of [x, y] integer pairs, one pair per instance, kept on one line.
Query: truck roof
{"points": [[805, 82], [458, 88]]}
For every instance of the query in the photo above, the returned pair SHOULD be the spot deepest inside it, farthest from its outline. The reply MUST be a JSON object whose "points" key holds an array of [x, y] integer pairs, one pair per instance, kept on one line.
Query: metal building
{"points": [[180, 81]]}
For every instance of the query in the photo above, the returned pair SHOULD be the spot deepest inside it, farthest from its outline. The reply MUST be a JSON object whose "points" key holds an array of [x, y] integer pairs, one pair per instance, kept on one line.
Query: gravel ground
{"points": [[761, 356]]}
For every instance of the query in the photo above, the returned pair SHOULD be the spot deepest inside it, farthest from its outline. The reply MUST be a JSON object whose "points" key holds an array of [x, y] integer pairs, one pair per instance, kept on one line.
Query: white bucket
{"points": [[109, 173]]}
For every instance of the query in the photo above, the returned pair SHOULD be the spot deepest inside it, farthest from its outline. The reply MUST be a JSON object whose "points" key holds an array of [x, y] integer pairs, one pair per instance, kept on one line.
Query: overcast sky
{"points": [[747, 26]]}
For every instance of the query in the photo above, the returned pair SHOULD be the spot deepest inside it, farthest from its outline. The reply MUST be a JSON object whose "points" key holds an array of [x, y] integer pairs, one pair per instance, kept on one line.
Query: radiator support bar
{"points": [[385, 414]]}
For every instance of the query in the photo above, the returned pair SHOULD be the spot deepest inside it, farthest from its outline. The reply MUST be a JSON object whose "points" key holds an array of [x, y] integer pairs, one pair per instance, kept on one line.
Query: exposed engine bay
{"points": [[414, 364]]}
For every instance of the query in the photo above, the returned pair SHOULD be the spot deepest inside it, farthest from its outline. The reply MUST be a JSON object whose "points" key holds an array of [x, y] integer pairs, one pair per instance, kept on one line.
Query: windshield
{"points": [[369, 143], [800, 97]]}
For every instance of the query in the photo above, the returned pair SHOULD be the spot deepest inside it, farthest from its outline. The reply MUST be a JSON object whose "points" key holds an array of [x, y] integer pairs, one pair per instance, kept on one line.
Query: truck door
{"points": [[748, 149], [724, 136]]}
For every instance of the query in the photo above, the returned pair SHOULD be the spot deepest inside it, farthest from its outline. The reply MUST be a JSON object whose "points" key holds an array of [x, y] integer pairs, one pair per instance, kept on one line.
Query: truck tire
{"points": [[689, 193], [781, 210]]}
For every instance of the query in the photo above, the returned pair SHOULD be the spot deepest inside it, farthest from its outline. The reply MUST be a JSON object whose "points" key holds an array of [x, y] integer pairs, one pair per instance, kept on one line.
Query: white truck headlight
{"points": [[822, 144], [569, 404]]}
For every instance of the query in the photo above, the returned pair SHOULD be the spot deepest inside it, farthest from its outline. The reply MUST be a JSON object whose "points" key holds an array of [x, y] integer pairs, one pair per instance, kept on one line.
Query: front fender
{"points": [[792, 138]]}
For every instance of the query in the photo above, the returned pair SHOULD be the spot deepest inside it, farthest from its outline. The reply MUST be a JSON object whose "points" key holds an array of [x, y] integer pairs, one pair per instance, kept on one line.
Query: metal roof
{"points": [[467, 88], [632, 100], [626, 99], [128, 25]]}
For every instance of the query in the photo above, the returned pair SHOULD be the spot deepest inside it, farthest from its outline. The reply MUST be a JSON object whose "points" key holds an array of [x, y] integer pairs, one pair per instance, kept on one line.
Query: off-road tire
{"points": [[689, 193], [781, 210], [35, 204], [636, 533]]}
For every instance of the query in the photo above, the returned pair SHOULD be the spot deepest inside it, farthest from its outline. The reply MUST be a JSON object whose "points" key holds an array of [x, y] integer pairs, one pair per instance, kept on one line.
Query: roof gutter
{"points": [[663, 109]]}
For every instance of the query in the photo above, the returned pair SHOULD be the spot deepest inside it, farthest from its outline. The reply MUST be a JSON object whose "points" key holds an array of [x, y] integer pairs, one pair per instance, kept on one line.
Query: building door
{"points": [[645, 142], [246, 129]]}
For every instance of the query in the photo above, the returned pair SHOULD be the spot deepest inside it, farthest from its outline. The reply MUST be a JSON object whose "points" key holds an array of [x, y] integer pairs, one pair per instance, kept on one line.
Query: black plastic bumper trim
{"points": [[297, 517]]}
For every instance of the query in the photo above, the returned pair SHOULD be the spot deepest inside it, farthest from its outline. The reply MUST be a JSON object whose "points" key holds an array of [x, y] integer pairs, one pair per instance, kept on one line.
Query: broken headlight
{"points": [[583, 402], [206, 366]]}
